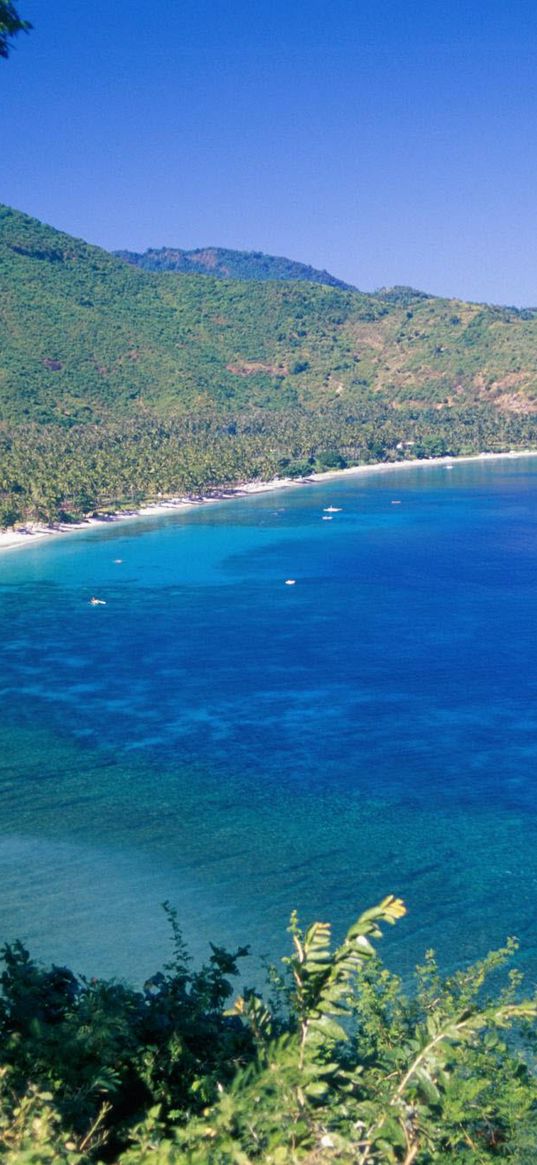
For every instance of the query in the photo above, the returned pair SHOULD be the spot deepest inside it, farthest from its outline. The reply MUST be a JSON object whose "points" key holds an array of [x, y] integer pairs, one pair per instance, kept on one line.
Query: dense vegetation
{"points": [[117, 384], [84, 336], [225, 264], [339, 1065], [49, 472]]}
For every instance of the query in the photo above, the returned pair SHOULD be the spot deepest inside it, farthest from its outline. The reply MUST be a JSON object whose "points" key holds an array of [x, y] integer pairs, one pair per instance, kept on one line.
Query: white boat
{"points": [[97, 602], [332, 509]]}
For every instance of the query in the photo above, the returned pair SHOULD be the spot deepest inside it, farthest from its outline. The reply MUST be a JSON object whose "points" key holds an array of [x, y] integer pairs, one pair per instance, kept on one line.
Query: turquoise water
{"points": [[241, 747]]}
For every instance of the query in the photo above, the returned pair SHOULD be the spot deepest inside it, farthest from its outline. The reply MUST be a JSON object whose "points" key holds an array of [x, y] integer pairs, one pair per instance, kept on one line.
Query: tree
{"points": [[10, 24]]}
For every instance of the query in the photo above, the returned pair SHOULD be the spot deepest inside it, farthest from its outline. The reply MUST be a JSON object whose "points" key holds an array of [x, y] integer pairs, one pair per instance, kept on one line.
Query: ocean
{"points": [[215, 738]]}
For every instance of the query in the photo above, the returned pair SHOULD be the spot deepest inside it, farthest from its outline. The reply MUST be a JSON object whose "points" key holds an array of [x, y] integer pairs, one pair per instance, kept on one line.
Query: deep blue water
{"points": [[241, 747]]}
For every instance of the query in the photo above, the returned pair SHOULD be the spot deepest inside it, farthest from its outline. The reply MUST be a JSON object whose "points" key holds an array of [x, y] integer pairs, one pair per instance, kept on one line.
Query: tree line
{"points": [[51, 473]]}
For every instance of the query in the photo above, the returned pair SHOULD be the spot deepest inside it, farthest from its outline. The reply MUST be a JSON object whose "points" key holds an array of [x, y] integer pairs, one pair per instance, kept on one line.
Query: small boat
{"points": [[332, 509], [290, 582], [327, 517], [97, 602]]}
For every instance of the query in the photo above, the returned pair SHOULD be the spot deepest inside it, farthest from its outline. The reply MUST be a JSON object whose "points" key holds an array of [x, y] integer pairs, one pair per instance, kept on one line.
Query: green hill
{"points": [[162, 382], [84, 335], [223, 263]]}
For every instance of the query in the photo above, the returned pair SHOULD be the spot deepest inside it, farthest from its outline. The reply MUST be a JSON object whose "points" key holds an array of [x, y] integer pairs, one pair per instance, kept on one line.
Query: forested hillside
{"points": [[84, 335], [226, 264], [207, 380]]}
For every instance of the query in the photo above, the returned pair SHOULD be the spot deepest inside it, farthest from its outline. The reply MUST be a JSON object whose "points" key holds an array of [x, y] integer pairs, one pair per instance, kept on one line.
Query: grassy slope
{"points": [[84, 335]]}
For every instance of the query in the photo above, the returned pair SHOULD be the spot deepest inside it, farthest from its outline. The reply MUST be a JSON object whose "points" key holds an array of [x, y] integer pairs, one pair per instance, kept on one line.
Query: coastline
{"points": [[33, 532]]}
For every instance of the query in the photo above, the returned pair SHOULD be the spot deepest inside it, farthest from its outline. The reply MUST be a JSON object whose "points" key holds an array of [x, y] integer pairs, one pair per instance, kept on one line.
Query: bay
{"points": [[241, 747]]}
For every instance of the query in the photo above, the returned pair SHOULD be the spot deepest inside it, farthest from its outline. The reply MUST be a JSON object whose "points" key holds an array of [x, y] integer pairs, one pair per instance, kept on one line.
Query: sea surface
{"points": [[240, 747]]}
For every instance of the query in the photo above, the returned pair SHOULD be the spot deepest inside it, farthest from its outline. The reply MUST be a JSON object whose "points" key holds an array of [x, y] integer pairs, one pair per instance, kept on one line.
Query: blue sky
{"points": [[389, 142]]}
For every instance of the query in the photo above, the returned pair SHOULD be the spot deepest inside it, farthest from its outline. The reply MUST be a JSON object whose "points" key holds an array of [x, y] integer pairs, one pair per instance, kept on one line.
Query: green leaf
{"points": [[316, 1090], [329, 1028]]}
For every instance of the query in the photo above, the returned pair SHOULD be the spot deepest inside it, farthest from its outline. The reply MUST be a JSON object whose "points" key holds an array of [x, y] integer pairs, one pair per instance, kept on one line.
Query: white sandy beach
{"points": [[33, 532]]}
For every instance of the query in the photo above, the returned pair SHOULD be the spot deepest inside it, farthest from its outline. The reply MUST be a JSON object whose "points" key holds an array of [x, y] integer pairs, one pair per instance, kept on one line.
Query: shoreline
{"points": [[33, 532]]}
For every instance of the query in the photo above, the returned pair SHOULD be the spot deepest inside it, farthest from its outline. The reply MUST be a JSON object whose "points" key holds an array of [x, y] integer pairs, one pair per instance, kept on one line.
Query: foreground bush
{"points": [[341, 1065]]}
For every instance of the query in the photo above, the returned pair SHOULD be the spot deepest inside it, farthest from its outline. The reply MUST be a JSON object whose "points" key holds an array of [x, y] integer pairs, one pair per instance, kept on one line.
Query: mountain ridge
{"points": [[226, 263]]}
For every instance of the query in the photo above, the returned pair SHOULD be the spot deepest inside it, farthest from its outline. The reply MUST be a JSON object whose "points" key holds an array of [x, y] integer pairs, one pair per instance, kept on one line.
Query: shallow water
{"points": [[240, 747]]}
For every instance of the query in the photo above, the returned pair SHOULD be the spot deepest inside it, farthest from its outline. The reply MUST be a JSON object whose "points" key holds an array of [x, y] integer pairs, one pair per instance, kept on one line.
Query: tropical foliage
{"points": [[10, 25], [341, 1064], [54, 473]]}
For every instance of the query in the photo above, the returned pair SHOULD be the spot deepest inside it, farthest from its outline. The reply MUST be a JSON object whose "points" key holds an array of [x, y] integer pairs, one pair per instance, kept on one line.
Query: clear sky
{"points": [[389, 142]]}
